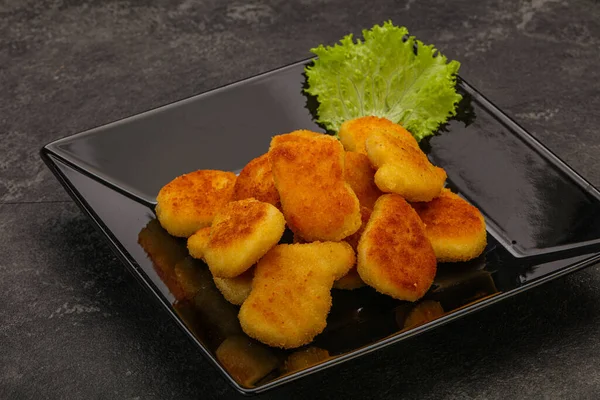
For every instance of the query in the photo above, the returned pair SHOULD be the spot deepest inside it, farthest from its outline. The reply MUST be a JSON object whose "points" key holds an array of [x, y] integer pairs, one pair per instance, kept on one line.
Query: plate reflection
{"points": [[357, 318]]}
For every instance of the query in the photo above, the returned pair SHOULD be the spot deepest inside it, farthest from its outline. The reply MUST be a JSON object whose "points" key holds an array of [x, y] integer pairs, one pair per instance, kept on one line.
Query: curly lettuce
{"points": [[387, 74]]}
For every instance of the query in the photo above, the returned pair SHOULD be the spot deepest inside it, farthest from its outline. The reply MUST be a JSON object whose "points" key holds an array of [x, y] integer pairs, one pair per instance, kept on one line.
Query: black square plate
{"points": [[543, 219]]}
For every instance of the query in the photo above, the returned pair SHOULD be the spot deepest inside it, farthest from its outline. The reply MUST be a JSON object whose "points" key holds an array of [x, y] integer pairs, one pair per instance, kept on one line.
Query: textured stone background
{"points": [[75, 324]]}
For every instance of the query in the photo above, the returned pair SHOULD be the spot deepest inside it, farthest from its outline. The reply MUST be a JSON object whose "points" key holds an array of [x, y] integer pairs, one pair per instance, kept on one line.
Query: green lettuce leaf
{"points": [[384, 76]]}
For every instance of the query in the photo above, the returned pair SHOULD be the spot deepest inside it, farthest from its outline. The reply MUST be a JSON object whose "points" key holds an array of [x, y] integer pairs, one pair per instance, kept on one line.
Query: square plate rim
{"points": [[50, 157]]}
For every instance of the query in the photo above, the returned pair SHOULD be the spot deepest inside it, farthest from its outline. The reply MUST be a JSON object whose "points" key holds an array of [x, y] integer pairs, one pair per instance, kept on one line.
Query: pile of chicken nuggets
{"points": [[367, 209]]}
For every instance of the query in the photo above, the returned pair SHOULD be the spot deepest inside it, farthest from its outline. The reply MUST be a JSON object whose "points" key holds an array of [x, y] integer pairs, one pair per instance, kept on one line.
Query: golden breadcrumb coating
{"points": [[190, 202], [246, 360], [241, 233], [394, 255], [355, 132], [455, 228], [291, 292], [308, 169], [403, 169], [198, 242], [304, 358], [256, 180], [236, 290], [360, 175], [351, 280]]}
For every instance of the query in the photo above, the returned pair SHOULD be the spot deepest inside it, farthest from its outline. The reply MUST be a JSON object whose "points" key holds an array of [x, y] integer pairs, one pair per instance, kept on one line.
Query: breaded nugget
{"points": [[394, 255], [355, 132], [403, 168], [256, 180], [236, 290], [198, 242], [246, 360], [454, 227], [190, 201], [241, 233], [304, 358], [360, 174], [352, 280], [291, 292], [308, 169]]}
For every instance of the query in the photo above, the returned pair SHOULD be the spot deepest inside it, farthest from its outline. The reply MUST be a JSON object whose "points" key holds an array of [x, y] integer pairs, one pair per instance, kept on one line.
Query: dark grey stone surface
{"points": [[75, 324]]}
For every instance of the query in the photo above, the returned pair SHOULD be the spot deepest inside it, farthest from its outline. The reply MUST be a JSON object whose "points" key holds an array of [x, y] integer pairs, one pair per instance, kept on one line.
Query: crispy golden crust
{"points": [[190, 201], [360, 175], [454, 227], [423, 312], [403, 169], [394, 255], [246, 360], [236, 290], [256, 180], [198, 242], [304, 358], [355, 132], [308, 169], [241, 233], [290, 296], [352, 279]]}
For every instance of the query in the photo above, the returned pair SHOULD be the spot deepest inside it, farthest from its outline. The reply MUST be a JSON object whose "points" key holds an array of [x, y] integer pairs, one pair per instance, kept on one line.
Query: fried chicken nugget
{"points": [[361, 177], [394, 255], [190, 202], [455, 228], [236, 290], [241, 233], [354, 133], [291, 292], [403, 168], [198, 242], [351, 280], [256, 180], [308, 169]]}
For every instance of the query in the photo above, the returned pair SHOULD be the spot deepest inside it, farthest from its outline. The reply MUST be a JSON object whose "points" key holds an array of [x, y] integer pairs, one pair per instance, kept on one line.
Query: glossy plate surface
{"points": [[543, 219]]}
